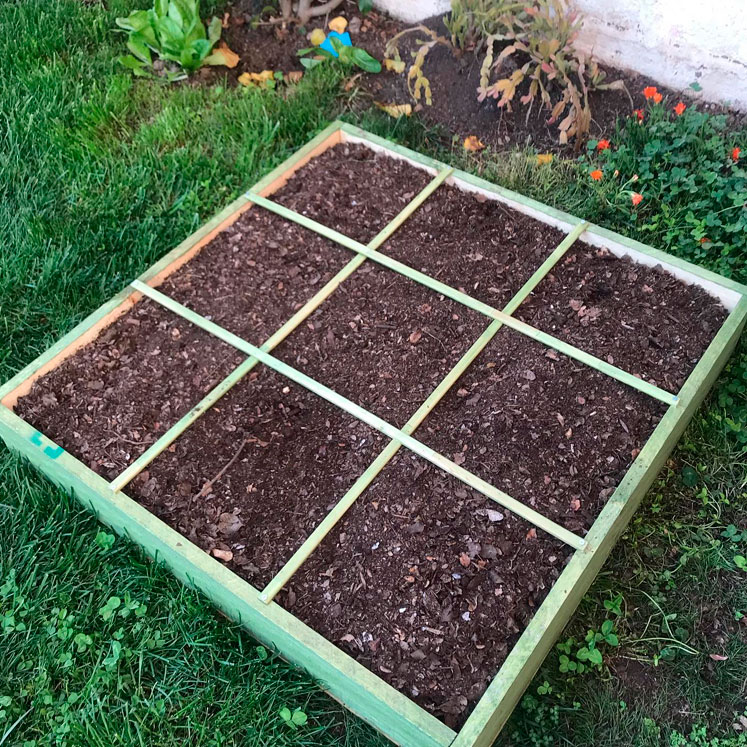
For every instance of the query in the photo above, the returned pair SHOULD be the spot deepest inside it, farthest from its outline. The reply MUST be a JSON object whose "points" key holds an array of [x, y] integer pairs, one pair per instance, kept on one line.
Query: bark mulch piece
{"points": [[551, 432], [428, 584], [642, 319], [353, 189], [383, 341], [110, 400], [282, 458], [477, 245]]}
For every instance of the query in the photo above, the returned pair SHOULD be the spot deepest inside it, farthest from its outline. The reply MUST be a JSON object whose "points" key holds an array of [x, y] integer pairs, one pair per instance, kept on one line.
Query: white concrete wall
{"points": [[412, 11], [676, 42]]}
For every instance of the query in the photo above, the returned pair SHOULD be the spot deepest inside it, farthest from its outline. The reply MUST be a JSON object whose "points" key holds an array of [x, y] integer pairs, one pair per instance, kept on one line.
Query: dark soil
{"points": [[427, 583], [269, 46], [453, 74], [550, 432], [479, 246], [253, 275], [112, 399], [353, 189], [383, 341], [290, 456], [454, 78], [639, 318]]}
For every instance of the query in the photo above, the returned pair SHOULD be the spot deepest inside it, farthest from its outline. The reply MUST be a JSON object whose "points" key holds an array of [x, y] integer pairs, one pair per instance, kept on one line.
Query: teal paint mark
{"points": [[51, 451]]}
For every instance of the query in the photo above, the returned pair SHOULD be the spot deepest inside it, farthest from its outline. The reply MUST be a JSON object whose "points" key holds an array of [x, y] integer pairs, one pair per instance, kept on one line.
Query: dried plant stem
{"points": [[209, 484], [306, 11]]}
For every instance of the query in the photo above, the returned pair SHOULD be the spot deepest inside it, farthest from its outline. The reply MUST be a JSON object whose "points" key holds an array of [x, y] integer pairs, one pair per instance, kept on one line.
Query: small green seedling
{"points": [[348, 56], [614, 605], [295, 719], [576, 659], [734, 535]]}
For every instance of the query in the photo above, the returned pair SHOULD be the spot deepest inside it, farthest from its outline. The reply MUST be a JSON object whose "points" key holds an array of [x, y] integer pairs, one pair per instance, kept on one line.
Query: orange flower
{"points": [[679, 109], [735, 154], [603, 145], [650, 92], [639, 114], [704, 240], [657, 98], [596, 175], [636, 198]]}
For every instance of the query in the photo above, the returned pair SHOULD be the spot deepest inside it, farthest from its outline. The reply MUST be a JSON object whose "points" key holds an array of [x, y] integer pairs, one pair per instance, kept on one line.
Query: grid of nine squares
{"points": [[401, 437], [497, 702]]}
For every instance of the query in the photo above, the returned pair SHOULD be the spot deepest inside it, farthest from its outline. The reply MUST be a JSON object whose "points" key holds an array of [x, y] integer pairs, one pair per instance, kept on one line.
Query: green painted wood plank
{"points": [[176, 430], [506, 689], [526, 329], [369, 418], [362, 483], [341, 676]]}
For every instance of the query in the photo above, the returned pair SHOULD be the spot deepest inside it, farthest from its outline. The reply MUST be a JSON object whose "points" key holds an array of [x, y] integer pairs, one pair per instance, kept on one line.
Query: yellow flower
{"points": [[317, 37], [338, 24]]}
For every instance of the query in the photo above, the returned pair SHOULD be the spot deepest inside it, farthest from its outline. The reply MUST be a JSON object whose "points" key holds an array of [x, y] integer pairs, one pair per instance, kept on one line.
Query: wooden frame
{"points": [[359, 689]]}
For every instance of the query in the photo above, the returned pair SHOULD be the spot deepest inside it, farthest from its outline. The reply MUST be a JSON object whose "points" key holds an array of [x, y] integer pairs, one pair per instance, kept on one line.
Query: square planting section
{"points": [[389, 416]]}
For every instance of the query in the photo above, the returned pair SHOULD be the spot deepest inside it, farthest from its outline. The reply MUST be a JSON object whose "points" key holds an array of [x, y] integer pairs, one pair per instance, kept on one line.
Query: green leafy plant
{"points": [[472, 22], [576, 658], [173, 30], [736, 538], [614, 605], [348, 56], [732, 400], [295, 718], [688, 170], [542, 51]]}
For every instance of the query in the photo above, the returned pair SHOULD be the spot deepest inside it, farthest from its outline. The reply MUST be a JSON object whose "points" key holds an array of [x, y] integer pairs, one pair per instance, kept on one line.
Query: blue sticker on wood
{"points": [[51, 451]]}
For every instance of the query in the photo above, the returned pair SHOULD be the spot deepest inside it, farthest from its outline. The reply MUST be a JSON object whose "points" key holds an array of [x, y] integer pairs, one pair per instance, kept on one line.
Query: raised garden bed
{"points": [[454, 400]]}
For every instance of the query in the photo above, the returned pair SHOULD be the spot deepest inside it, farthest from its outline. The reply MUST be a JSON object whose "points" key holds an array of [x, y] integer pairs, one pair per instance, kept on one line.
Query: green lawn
{"points": [[100, 176]]}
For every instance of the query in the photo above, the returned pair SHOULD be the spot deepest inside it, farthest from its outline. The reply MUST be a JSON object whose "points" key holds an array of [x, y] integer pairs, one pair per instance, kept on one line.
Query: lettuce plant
{"points": [[172, 29]]}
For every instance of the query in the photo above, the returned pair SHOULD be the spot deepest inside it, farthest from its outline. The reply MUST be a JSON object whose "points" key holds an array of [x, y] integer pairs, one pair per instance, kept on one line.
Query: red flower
{"points": [[679, 109], [639, 114], [636, 198], [657, 98], [650, 92], [735, 154], [603, 145], [704, 240], [596, 175]]}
